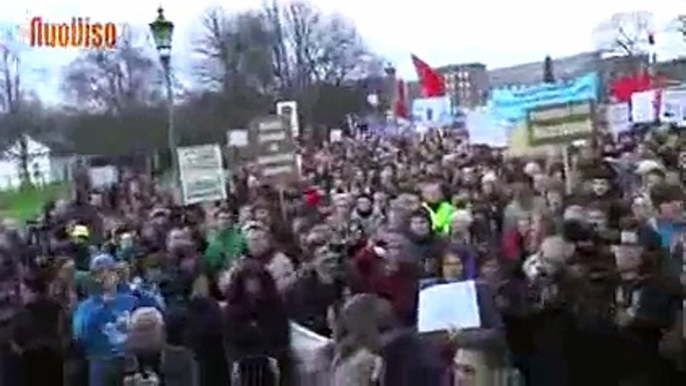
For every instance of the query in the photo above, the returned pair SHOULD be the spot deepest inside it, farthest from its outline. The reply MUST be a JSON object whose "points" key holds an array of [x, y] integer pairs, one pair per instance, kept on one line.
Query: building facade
{"points": [[467, 83]]}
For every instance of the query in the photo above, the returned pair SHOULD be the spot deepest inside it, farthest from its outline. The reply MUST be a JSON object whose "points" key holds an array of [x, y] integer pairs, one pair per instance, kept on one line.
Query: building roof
{"points": [[532, 73], [461, 67]]}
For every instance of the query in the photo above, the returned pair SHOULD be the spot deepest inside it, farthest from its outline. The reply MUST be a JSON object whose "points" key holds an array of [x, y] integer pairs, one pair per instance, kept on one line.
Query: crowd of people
{"points": [[578, 271]]}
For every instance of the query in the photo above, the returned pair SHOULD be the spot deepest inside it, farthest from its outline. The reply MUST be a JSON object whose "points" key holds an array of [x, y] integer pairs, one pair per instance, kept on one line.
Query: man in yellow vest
{"points": [[440, 210]]}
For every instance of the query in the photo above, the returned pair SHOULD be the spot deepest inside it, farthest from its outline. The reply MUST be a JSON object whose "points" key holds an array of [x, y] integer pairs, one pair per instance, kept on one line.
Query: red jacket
{"points": [[400, 287]]}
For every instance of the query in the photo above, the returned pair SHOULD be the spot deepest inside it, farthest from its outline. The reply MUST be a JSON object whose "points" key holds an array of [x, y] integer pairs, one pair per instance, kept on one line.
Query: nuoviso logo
{"points": [[81, 32]]}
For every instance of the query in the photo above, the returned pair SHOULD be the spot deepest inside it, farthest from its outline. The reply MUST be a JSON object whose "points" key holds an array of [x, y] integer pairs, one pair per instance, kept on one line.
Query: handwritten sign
{"points": [[560, 124], [202, 174], [271, 140]]}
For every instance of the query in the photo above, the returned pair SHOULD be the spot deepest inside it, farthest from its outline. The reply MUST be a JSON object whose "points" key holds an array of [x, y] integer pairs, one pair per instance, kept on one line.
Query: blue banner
{"points": [[512, 104]]}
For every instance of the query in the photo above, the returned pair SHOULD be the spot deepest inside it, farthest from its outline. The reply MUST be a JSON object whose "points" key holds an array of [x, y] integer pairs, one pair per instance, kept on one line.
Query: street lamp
{"points": [[162, 31]]}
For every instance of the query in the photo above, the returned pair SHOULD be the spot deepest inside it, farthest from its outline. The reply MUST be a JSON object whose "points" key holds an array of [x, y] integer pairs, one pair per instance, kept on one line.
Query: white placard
{"points": [[237, 138], [682, 160], [202, 174], [336, 135], [643, 106], [448, 306], [290, 110], [618, 117], [673, 107], [103, 176]]}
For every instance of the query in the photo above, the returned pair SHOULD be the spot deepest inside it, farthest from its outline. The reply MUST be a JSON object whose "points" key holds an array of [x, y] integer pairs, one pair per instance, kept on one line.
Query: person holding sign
{"points": [[469, 315]]}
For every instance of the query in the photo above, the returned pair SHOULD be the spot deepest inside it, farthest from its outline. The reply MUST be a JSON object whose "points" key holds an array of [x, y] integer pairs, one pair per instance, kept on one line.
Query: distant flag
{"points": [[432, 83], [651, 38], [651, 42], [400, 102]]}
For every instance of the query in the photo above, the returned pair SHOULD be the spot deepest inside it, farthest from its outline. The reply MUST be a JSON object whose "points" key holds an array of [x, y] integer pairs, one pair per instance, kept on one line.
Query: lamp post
{"points": [[162, 31]]}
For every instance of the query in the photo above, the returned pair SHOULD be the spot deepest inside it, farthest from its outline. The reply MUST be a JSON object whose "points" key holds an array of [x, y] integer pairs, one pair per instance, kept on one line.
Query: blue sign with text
{"points": [[512, 104]]}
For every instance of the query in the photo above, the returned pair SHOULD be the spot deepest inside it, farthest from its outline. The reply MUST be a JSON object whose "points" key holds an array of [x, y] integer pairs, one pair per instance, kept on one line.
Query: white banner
{"points": [[643, 106], [673, 107], [202, 174]]}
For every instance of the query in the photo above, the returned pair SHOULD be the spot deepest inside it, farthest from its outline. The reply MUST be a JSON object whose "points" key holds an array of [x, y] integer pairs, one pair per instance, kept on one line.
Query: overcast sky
{"points": [[495, 32]]}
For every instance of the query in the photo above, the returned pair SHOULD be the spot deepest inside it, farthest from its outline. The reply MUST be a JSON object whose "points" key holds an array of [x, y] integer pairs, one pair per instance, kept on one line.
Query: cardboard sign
{"points": [[271, 141], [202, 174]]}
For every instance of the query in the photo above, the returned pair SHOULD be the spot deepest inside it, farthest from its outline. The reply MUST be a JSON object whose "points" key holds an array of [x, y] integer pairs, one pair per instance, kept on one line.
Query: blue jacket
{"points": [[102, 327]]}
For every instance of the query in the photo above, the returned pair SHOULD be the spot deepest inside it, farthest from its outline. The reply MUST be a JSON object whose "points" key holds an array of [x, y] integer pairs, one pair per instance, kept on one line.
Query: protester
{"points": [[256, 322]]}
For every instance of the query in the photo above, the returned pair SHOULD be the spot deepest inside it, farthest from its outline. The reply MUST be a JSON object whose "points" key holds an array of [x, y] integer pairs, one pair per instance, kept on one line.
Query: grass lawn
{"points": [[27, 203]]}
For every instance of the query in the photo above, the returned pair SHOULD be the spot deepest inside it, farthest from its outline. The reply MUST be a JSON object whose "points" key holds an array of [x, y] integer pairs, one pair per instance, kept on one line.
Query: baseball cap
{"points": [[102, 262]]}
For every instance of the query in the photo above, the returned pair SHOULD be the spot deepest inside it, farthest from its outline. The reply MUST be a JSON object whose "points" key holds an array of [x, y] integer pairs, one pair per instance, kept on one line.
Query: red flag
{"points": [[432, 83], [400, 103], [623, 87]]}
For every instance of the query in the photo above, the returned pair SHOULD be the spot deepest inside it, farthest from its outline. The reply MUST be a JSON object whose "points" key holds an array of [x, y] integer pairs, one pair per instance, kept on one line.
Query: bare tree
{"points": [[624, 33], [325, 48], [283, 51], [235, 52], [274, 19], [680, 25], [19, 115], [114, 81], [302, 24]]}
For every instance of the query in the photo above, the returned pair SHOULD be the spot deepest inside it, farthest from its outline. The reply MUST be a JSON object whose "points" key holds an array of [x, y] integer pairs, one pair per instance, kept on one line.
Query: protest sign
{"points": [[202, 174], [289, 110], [237, 138], [561, 124], [336, 135], [448, 306], [673, 107], [273, 148], [618, 117], [103, 176]]}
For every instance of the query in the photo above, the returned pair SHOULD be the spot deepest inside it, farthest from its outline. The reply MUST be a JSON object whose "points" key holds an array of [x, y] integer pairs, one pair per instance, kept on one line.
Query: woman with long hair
{"points": [[256, 324]]}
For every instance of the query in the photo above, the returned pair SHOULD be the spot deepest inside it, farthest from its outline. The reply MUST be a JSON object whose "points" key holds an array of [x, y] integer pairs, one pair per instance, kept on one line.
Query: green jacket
{"points": [[225, 248], [441, 218]]}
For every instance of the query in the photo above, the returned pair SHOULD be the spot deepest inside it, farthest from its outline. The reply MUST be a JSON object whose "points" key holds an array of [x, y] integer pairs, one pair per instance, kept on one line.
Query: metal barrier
{"points": [[255, 371]]}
